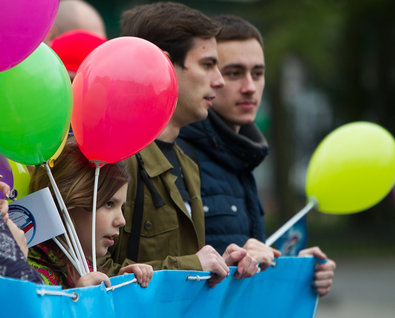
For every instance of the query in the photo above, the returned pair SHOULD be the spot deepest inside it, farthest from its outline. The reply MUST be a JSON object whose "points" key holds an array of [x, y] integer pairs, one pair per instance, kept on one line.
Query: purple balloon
{"points": [[6, 172], [23, 26]]}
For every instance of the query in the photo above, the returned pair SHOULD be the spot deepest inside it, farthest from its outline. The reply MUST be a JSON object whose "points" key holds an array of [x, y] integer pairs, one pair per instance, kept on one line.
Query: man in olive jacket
{"points": [[166, 217]]}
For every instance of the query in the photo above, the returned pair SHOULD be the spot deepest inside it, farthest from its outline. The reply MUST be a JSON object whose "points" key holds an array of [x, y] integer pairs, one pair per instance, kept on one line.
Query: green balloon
{"points": [[36, 104], [352, 169]]}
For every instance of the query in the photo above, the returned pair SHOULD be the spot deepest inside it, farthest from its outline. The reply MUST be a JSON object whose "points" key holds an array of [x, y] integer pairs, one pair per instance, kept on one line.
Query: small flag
{"points": [[36, 214], [294, 240]]}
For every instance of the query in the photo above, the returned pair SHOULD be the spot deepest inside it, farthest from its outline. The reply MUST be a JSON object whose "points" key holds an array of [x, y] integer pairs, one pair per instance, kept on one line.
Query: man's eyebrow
{"points": [[242, 66], [213, 59], [263, 66], [234, 65]]}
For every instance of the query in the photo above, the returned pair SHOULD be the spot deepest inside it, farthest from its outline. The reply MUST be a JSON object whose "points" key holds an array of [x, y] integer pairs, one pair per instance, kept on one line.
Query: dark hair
{"points": [[74, 176], [234, 28], [169, 25]]}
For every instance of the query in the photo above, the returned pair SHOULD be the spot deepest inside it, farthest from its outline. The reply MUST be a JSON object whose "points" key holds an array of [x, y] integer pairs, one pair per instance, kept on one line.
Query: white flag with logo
{"points": [[36, 214]]}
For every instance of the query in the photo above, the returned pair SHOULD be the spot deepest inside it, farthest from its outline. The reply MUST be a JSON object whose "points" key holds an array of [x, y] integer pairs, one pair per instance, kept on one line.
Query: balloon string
{"points": [[276, 235], [66, 251], [79, 255], [70, 246], [81, 258], [97, 170]]}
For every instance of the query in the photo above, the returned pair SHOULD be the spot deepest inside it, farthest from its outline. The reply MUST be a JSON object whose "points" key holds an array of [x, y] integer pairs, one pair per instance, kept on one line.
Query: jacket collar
{"points": [[242, 151], [157, 163]]}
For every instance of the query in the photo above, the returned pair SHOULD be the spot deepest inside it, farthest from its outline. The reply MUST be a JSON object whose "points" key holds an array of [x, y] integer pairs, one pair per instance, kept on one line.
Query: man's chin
{"points": [[202, 115]]}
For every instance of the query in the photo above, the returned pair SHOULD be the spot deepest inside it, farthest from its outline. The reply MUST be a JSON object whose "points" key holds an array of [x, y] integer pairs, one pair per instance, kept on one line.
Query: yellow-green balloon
{"points": [[352, 169], [21, 178]]}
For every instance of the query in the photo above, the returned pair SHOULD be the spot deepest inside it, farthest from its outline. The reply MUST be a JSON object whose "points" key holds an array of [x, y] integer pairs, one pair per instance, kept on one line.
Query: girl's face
{"points": [[109, 219]]}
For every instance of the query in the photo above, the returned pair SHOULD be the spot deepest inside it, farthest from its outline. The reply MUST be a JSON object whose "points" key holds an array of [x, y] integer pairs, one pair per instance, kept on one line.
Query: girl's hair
{"points": [[74, 175]]}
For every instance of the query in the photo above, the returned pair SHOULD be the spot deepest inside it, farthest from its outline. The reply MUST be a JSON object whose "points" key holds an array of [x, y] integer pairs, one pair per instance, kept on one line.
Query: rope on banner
{"points": [[42, 292], [198, 278], [111, 288]]}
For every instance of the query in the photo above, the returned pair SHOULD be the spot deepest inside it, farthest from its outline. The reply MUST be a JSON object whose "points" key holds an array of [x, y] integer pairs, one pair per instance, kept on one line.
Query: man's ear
{"points": [[169, 56]]}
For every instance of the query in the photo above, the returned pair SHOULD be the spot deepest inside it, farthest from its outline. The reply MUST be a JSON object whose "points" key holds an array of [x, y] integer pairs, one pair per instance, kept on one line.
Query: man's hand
{"points": [[247, 265], [324, 273], [212, 262], [261, 252]]}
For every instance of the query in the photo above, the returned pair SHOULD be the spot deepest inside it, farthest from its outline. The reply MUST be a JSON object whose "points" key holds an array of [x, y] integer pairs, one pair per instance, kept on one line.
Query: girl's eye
{"points": [[109, 204]]}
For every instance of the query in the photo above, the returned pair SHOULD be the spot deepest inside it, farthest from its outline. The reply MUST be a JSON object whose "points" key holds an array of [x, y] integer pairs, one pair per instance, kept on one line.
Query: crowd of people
{"points": [[189, 200]]}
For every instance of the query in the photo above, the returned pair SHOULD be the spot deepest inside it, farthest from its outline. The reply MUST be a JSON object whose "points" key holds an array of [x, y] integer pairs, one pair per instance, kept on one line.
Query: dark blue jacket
{"points": [[233, 210]]}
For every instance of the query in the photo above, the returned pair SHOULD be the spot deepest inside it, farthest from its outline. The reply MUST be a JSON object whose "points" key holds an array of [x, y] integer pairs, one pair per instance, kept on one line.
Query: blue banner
{"points": [[282, 291]]}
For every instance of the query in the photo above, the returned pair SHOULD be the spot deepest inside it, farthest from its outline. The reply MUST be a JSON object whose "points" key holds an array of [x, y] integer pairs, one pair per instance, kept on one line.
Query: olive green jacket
{"points": [[169, 238]]}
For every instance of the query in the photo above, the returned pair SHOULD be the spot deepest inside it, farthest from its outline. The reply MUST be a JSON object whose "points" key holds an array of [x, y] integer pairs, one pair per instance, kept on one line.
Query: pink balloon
{"points": [[23, 26], [125, 93]]}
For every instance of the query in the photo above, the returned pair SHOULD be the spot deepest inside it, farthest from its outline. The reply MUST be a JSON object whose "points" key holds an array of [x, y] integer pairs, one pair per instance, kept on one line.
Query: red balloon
{"points": [[125, 93]]}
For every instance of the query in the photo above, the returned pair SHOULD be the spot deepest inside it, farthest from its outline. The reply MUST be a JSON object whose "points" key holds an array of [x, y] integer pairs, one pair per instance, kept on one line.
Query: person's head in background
{"points": [[188, 38], [242, 65], [76, 15], [74, 175], [74, 46]]}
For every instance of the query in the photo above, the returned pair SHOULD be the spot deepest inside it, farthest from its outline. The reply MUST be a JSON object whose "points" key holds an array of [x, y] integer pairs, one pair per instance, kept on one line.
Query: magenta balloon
{"points": [[124, 94], [23, 26], [6, 172]]}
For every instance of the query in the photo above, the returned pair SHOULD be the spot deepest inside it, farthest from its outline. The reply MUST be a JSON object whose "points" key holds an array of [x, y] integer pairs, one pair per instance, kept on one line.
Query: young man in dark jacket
{"points": [[230, 146], [163, 212]]}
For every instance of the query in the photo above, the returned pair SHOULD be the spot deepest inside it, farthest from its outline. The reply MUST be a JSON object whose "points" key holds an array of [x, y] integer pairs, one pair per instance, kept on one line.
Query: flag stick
{"points": [[276, 235]]}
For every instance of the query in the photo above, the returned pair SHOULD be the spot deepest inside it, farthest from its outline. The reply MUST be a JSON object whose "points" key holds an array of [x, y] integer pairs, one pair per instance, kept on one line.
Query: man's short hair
{"points": [[235, 28], [169, 25]]}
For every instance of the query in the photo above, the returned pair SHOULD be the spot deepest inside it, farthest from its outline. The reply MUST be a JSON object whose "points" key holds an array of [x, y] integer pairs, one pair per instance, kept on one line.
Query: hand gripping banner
{"points": [[282, 291]]}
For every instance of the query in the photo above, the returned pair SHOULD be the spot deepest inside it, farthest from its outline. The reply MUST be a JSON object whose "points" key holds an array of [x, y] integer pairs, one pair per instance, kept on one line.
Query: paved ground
{"points": [[362, 289]]}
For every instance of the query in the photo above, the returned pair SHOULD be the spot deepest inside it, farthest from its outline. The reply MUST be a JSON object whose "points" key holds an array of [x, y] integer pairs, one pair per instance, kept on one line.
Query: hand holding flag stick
{"points": [[351, 170]]}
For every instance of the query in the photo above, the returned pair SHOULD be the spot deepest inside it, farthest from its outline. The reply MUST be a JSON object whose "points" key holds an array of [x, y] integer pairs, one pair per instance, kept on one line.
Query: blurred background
{"points": [[329, 62]]}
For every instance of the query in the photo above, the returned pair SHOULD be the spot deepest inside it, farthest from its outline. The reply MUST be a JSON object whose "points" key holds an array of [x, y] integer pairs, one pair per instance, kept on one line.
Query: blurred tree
{"points": [[369, 83]]}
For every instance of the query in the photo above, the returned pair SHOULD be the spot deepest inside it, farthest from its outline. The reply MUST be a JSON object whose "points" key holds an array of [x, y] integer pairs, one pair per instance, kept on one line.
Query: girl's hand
{"points": [[142, 272], [93, 278]]}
